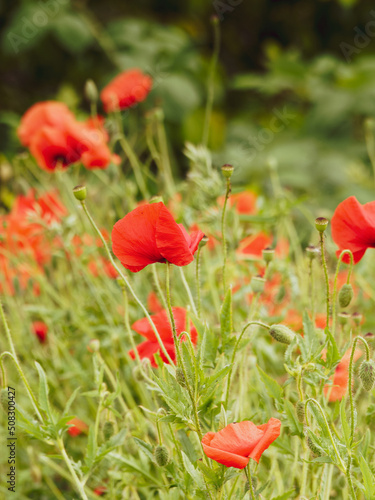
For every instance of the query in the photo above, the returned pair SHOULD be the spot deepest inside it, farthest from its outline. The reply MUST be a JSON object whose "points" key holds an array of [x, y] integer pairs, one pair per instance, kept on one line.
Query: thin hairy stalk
{"points": [[227, 193], [165, 161], [334, 294], [188, 291], [251, 488], [126, 281], [136, 166], [158, 287], [77, 482], [211, 82], [197, 281], [259, 323], [324, 264]]}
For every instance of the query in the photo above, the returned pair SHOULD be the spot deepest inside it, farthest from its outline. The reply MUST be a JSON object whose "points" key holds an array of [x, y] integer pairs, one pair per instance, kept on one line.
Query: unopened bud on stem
{"points": [[282, 334]]}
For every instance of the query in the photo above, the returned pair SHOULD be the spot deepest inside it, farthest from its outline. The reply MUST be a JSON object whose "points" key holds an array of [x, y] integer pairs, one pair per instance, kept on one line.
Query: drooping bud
{"points": [[180, 377], [268, 254], [91, 91], [257, 284], [321, 224], [161, 455], [80, 193], [300, 411], [282, 334], [315, 450], [345, 295], [227, 170], [312, 252], [108, 429], [367, 374], [4, 399], [357, 318]]}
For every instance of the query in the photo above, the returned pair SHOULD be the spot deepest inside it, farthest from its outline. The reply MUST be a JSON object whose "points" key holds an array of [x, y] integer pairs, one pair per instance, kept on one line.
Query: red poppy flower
{"points": [[149, 234], [353, 227], [98, 154], [153, 303], [253, 245], [244, 203], [47, 207], [52, 147], [76, 427], [100, 490], [40, 329], [48, 113], [128, 88], [234, 445], [340, 379], [151, 346]]}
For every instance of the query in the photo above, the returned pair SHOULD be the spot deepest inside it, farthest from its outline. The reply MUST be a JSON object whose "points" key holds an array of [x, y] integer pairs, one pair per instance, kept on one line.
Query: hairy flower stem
{"points": [[197, 281], [223, 233], [158, 287], [251, 488], [180, 361], [259, 323], [349, 477], [312, 289], [188, 291], [324, 264], [334, 294], [350, 381], [136, 166], [126, 281], [13, 355], [77, 482], [211, 82]]}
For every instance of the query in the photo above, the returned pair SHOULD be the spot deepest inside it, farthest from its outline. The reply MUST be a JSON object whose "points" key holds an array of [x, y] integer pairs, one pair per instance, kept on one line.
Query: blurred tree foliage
{"points": [[296, 78]]}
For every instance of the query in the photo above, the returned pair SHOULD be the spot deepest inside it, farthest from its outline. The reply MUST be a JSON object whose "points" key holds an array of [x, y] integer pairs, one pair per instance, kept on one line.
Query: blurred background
{"points": [[295, 80]]}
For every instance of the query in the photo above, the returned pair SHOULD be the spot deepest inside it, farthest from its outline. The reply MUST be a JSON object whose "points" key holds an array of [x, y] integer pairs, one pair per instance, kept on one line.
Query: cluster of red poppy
{"points": [[56, 139]]}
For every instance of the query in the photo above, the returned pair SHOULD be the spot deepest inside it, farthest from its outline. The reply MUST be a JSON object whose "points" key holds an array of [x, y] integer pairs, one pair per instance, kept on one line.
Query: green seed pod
{"points": [[345, 295], [257, 284], [80, 192], [227, 170], [108, 429], [180, 377], [161, 455], [343, 317], [312, 251], [315, 450], [321, 224], [4, 399], [300, 411], [357, 318], [282, 334], [367, 374], [268, 254], [91, 91]]}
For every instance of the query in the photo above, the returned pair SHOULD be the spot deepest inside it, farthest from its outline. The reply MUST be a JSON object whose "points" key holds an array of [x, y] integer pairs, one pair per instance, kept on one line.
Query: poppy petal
{"points": [[271, 432]]}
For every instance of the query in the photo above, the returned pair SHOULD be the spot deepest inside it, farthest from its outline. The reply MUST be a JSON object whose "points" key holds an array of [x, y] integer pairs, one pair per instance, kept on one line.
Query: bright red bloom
{"points": [[53, 147], [353, 227], [253, 245], [340, 379], [98, 154], [48, 113], [153, 303], [128, 88], [244, 202], [149, 234], [76, 427], [150, 347], [47, 207], [40, 329], [234, 445]]}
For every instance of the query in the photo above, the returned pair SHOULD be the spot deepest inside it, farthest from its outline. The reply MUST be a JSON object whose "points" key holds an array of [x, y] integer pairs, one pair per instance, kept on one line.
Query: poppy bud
{"points": [[156, 199], [268, 254], [316, 450], [204, 241], [108, 429], [321, 224], [345, 295], [161, 455], [180, 377], [91, 92], [282, 334], [227, 170], [367, 374], [357, 318], [300, 411], [4, 399], [343, 317], [80, 193], [257, 284], [312, 252]]}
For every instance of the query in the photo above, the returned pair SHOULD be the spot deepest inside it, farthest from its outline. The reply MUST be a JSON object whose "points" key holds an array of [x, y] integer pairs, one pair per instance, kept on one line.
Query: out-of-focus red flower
{"points": [[153, 303], [244, 202], [149, 234], [234, 445], [128, 88], [98, 154], [44, 114], [101, 266], [340, 378], [47, 207], [100, 490], [294, 320], [150, 347], [353, 227], [76, 427], [53, 147], [253, 245], [40, 329]]}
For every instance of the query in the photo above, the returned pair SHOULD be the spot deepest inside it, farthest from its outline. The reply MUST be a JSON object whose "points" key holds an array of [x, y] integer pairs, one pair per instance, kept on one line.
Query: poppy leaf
{"points": [[273, 388]]}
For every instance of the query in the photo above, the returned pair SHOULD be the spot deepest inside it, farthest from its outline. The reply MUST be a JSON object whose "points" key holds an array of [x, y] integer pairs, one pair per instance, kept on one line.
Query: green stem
{"points": [[197, 281], [251, 488], [305, 469], [227, 193], [349, 476], [334, 294], [211, 82], [136, 166], [188, 291], [77, 482], [126, 281], [324, 263], [350, 380], [165, 161], [158, 287], [259, 323]]}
